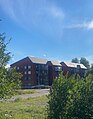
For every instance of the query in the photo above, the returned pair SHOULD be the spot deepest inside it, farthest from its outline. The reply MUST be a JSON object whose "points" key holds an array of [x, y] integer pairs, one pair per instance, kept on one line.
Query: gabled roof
{"points": [[38, 60], [56, 63], [74, 65]]}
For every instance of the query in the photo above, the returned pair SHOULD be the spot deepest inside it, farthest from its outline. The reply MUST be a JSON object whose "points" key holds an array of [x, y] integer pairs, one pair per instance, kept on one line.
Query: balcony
{"points": [[58, 68], [42, 68]]}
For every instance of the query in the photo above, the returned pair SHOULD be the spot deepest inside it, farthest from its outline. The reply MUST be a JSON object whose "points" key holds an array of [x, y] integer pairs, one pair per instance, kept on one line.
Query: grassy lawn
{"points": [[32, 108]]}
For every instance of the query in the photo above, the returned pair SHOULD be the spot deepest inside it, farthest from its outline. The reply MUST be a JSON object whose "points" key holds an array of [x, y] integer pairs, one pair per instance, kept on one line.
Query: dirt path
{"points": [[40, 92]]}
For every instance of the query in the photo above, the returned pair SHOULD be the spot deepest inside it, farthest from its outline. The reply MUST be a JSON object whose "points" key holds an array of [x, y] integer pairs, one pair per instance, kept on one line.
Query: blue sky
{"points": [[53, 29]]}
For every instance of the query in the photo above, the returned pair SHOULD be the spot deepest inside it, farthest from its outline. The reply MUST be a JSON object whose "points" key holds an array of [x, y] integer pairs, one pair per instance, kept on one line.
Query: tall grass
{"points": [[32, 108]]}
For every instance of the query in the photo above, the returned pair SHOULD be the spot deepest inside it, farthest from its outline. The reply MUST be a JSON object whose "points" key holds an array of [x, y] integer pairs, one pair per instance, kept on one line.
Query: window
{"points": [[25, 67], [37, 75], [25, 78], [29, 84], [43, 66], [58, 68], [29, 67], [78, 66], [25, 72], [17, 68], [43, 72], [29, 72], [29, 78]]}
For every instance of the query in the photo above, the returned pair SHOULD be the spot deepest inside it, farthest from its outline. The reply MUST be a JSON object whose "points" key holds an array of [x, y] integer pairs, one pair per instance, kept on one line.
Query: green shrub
{"points": [[71, 98]]}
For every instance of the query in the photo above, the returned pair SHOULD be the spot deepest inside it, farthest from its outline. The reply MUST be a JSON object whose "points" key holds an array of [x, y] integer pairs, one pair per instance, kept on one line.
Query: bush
{"points": [[71, 98], [9, 82]]}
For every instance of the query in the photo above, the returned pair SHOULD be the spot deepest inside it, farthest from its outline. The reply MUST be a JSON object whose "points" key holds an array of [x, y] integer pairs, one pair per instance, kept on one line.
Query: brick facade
{"points": [[37, 71]]}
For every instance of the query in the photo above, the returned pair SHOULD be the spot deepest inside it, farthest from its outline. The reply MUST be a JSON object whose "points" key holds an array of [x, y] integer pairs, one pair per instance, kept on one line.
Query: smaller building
{"points": [[54, 69], [34, 71], [73, 68]]}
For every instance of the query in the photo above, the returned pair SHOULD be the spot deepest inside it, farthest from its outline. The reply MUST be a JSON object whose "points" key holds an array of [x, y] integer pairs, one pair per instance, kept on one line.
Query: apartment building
{"points": [[34, 71], [73, 68], [39, 71]]}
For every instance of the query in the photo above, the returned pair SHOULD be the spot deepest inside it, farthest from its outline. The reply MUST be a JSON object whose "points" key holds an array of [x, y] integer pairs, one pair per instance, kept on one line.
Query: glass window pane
{"points": [[25, 67], [29, 67], [25, 72], [29, 72]]}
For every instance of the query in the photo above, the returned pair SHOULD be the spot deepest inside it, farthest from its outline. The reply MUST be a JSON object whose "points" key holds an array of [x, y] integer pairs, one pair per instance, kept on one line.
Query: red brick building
{"points": [[34, 71], [54, 69], [73, 68], [38, 71]]}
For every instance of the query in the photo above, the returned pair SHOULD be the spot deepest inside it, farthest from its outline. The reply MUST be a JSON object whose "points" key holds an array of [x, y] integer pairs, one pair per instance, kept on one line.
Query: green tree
{"points": [[75, 60], [91, 69], [71, 98], [4, 55], [85, 62], [9, 78]]}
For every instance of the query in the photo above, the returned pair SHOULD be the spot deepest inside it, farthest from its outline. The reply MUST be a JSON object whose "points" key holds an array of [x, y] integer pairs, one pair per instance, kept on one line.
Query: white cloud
{"points": [[85, 25], [44, 55], [90, 25], [42, 16], [56, 12], [32, 12], [7, 6], [32, 56]]}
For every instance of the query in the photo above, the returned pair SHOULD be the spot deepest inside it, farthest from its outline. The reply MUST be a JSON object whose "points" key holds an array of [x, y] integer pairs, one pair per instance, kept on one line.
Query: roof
{"points": [[74, 65], [56, 63], [38, 60]]}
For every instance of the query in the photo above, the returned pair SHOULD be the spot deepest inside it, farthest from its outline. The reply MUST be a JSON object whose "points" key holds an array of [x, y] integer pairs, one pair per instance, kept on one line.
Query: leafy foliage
{"points": [[9, 78], [91, 69], [75, 60], [4, 55], [71, 98], [85, 62]]}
